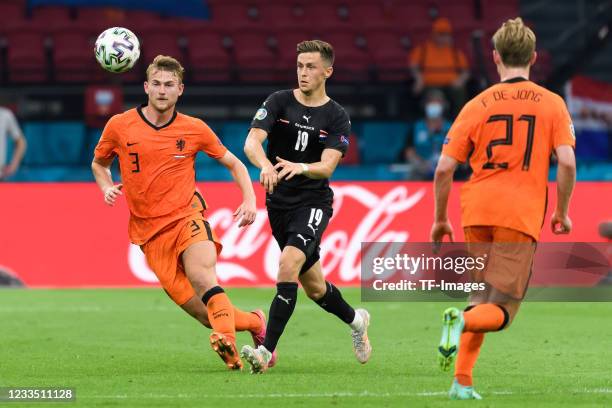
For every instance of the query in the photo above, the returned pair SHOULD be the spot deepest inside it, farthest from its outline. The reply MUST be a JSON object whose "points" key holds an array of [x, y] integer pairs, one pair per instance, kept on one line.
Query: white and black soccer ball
{"points": [[117, 49]]}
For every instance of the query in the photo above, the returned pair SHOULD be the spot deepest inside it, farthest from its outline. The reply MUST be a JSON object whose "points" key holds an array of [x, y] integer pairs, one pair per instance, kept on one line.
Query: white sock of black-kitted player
{"points": [[281, 310], [333, 302]]}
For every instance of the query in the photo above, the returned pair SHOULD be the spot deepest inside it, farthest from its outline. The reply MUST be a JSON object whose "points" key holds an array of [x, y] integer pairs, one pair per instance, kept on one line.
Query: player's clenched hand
{"points": [[268, 178], [111, 194], [289, 169], [560, 224], [246, 213], [440, 229]]}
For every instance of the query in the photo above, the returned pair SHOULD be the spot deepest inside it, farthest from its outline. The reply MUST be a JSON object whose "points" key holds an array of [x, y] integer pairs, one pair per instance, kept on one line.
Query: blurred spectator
{"points": [[102, 102], [437, 63], [9, 126], [425, 139]]}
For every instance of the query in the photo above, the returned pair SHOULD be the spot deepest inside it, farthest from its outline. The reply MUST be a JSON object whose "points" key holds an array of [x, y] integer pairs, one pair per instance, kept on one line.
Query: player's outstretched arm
{"points": [[18, 152], [560, 222], [443, 180], [254, 150], [320, 170], [102, 174], [247, 211]]}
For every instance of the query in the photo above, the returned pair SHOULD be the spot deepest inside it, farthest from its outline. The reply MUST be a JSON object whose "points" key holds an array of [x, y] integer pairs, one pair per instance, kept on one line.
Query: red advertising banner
{"points": [[63, 235]]}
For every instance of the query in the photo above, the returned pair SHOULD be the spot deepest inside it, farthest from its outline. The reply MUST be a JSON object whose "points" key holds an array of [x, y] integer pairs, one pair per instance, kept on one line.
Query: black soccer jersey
{"points": [[299, 133]]}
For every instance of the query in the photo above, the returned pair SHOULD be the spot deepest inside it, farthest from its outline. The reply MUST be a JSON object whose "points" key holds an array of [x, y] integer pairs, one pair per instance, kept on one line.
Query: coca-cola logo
{"points": [[251, 254]]}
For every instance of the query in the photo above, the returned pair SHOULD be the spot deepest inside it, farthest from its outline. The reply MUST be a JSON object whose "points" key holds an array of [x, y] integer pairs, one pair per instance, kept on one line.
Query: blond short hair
{"points": [[323, 48], [515, 43], [166, 63]]}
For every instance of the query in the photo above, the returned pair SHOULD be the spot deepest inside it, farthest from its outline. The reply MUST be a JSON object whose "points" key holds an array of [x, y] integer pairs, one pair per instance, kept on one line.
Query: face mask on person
{"points": [[433, 110]]}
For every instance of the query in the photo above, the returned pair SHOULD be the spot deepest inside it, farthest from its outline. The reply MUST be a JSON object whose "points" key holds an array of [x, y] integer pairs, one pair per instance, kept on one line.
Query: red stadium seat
{"points": [[73, 56], [159, 39], [26, 54], [389, 55], [495, 13], [255, 58], [409, 14], [276, 12], [208, 56], [234, 13], [286, 45], [12, 11], [101, 18], [52, 14], [372, 13], [352, 62], [138, 20]]}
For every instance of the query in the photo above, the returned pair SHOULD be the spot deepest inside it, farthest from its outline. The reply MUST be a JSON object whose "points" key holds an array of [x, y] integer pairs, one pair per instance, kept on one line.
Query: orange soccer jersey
{"points": [[511, 130], [157, 166]]}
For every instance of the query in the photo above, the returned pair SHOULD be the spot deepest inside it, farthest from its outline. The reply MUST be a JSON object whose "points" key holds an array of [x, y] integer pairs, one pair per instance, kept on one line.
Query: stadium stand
{"points": [[247, 48]]}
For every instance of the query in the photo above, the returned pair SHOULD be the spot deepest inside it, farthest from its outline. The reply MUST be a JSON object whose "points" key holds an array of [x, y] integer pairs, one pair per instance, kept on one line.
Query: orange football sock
{"points": [[469, 348], [221, 315], [246, 320], [485, 318]]}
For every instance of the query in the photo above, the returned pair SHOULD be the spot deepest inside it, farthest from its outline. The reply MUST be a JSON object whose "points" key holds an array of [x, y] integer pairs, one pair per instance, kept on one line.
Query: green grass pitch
{"points": [[136, 348]]}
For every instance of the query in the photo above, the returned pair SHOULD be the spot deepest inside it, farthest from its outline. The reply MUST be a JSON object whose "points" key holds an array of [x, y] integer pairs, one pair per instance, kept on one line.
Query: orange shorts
{"points": [[163, 253], [509, 258]]}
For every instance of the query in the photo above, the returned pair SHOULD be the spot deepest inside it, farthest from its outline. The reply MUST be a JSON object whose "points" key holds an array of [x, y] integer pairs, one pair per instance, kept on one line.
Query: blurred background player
{"points": [[511, 130], [307, 134], [156, 147], [10, 127]]}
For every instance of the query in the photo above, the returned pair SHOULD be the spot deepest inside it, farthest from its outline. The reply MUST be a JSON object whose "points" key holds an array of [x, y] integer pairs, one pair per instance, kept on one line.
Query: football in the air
{"points": [[117, 49]]}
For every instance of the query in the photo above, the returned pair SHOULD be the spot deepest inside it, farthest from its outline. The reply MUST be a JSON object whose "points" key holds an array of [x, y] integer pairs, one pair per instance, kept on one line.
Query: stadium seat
{"points": [[495, 13], [380, 142], [272, 13], [208, 55], [73, 58], [286, 40], [27, 60], [54, 143], [365, 11], [52, 14], [352, 60], [233, 135], [157, 40], [140, 20], [412, 14], [256, 60], [388, 54], [235, 13], [12, 11], [321, 12], [101, 18]]}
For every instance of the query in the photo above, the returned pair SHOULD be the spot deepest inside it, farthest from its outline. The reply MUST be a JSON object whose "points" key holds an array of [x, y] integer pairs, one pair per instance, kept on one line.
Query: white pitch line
{"points": [[109, 309], [329, 395]]}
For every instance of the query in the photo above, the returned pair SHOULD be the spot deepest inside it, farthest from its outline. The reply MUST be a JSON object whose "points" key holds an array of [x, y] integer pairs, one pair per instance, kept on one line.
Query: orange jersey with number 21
{"points": [[157, 167], [510, 130]]}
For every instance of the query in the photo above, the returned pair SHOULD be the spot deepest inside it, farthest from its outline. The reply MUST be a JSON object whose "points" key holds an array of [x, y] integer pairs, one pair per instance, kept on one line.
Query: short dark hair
{"points": [[325, 49]]}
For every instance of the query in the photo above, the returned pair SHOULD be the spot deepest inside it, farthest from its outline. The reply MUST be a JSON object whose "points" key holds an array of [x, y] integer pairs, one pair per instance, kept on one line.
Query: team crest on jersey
{"points": [[180, 144], [261, 114]]}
